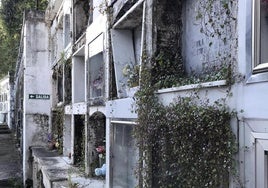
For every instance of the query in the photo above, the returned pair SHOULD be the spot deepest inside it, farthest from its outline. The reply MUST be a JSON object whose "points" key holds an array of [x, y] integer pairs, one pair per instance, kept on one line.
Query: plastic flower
{"points": [[100, 149], [57, 144], [126, 70]]}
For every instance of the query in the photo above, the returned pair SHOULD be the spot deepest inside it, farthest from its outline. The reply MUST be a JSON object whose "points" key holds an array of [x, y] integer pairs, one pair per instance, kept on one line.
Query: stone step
{"points": [[5, 131], [3, 127]]}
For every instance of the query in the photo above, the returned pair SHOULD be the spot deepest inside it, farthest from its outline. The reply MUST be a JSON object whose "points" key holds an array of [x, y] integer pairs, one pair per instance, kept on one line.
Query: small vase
{"points": [[51, 145], [101, 162], [131, 91]]}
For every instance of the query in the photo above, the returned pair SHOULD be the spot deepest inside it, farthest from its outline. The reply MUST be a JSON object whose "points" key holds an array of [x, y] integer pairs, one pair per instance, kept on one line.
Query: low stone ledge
{"points": [[40, 151], [61, 184], [56, 172], [82, 182]]}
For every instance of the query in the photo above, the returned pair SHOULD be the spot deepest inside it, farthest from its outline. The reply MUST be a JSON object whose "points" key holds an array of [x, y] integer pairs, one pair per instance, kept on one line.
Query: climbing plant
{"points": [[219, 23], [68, 81], [188, 143], [216, 20], [57, 128]]}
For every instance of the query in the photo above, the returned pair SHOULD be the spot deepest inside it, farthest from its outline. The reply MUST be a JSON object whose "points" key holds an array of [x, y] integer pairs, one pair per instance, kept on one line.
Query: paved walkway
{"points": [[10, 163]]}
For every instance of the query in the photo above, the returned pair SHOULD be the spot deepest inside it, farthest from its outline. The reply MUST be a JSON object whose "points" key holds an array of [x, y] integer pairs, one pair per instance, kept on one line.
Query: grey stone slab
{"points": [[56, 174], [61, 184], [43, 152]]}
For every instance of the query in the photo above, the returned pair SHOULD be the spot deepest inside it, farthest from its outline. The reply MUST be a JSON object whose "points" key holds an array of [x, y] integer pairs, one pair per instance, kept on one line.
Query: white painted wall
{"points": [[67, 23], [251, 97], [36, 81], [96, 44], [67, 143], [5, 94], [195, 45], [263, 33], [78, 79], [121, 108], [99, 8], [123, 54], [96, 50]]}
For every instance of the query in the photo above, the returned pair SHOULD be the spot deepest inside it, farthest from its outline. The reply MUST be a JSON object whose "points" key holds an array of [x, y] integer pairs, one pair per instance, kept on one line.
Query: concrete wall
{"points": [[96, 68], [78, 79], [248, 95], [199, 48], [81, 13], [5, 101], [99, 8], [67, 142], [36, 112], [67, 24], [166, 35], [251, 98]]}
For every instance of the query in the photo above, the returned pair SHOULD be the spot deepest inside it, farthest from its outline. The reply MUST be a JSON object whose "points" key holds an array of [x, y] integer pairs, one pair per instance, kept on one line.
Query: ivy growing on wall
{"points": [[188, 143], [57, 128], [216, 20], [68, 81]]}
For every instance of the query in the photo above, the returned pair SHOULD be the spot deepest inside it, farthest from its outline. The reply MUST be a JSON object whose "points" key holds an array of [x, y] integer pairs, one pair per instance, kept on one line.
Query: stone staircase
{"points": [[4, 129]]}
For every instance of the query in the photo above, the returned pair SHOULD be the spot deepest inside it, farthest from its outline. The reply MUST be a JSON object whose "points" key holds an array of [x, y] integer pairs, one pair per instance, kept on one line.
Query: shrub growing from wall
{"points": [[189, 143]]}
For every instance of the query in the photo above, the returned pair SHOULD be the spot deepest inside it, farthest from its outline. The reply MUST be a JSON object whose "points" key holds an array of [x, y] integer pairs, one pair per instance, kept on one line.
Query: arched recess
{"points": [[96, 139]]}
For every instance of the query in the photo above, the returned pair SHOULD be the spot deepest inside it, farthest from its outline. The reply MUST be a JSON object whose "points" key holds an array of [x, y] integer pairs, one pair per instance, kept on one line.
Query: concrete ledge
{"points": [[61, 184], [211, 84], [53, 171], [79, 183], [40, 151], [82, 182], [51, 165]]}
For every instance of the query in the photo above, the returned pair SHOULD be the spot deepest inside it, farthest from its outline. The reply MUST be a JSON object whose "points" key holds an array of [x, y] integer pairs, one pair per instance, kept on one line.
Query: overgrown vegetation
{"points": [[96, 141], [175, 78], [217, 23], [57, 128], [79, 142], [188, 143], [11, 14]]}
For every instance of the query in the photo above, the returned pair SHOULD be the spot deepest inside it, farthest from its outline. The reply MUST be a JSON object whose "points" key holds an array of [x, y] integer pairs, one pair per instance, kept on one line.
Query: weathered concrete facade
{"points": [[77, 56], [33, 88]]}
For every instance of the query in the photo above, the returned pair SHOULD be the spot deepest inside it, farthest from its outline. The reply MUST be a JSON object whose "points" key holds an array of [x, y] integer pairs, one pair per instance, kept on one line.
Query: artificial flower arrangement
{"points": [[101, 152], [102, 166], [131, 71], [53, 143]]}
